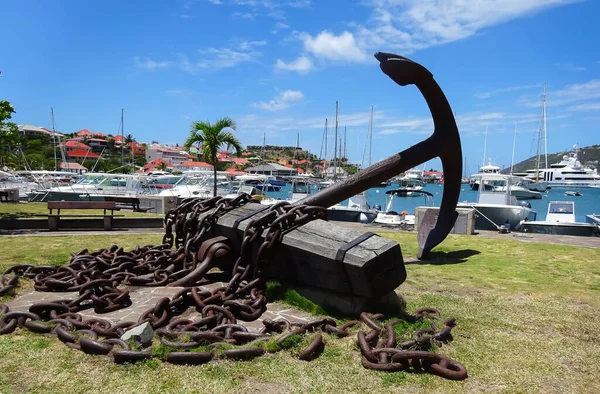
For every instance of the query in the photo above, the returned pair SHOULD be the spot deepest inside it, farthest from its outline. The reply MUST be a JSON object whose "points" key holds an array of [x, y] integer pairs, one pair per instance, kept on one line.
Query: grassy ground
{"points": [[23, 210], [528, 321]]}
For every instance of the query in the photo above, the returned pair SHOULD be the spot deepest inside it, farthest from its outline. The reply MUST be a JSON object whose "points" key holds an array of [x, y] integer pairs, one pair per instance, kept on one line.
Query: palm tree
{"points": [[212, 137]]}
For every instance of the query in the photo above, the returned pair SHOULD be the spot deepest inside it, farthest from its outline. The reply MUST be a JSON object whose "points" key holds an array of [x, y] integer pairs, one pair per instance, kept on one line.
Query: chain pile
{"points": [[216, 333]]}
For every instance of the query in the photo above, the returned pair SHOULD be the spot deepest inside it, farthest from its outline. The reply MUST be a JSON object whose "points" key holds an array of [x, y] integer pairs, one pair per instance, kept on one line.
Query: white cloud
{"points": [[571, 67], [588, 107], [282, 101], [327, 45], [149, 64], [210, 58], [279, 26], [569, 94], [302, 65], [509, 89], [408, 25], [245, 15], [215, 1]]}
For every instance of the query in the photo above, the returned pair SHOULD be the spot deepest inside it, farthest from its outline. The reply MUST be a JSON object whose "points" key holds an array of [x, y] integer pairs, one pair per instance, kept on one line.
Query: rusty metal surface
{"points": [[443, 143]]}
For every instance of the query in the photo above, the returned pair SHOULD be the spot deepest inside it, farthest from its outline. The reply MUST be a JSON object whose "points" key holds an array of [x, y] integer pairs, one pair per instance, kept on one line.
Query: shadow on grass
{"points": [[16, 215], [443, 258]]}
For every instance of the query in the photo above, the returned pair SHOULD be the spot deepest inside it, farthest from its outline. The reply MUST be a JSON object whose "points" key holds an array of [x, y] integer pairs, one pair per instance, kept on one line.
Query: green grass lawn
{"points": [[23, 210], [527, 318]]}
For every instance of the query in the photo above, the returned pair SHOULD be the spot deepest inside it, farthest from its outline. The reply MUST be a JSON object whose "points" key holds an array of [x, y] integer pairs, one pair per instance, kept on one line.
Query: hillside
{"points": [[589, 156]]}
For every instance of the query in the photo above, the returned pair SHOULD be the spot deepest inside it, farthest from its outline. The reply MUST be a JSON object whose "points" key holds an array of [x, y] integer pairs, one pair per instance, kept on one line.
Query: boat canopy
{"points": [[404, 191]]}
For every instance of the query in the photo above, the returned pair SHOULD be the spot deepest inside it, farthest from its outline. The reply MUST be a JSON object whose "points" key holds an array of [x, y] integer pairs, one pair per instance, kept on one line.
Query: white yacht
{"points": [[520, 189], [569, 172], [495, 209], [93, 186], [411, 185], [475, 179], [198, 187], [560, 219]]}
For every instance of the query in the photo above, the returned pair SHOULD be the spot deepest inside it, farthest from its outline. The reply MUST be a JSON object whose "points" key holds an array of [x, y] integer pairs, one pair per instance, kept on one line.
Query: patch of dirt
{"points": [[256, 386], [480, 387]]}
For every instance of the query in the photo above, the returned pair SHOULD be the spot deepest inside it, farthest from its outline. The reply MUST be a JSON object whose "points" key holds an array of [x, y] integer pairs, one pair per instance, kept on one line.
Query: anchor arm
{"points": [[444, 142]]}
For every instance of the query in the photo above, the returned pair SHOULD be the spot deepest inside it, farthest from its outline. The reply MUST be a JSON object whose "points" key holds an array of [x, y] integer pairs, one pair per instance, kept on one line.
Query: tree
{"points": [[162, 166], [212, 137], [9, 132]]}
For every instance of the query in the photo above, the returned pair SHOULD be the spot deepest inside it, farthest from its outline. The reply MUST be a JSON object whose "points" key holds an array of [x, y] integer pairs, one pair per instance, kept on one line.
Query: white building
{"points": [[272, 169], [75, 168], [195, 166], [174, 156]]}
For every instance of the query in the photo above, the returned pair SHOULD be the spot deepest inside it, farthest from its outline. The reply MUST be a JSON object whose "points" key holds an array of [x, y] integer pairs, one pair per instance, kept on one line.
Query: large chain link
{"points": [[188, 228]]}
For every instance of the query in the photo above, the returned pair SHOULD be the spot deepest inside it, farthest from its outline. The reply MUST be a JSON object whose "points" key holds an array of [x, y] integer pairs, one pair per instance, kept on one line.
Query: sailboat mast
{"points": [[484, 146], [539, 148], [54, 139], [345, 152], [326, 139], [544, 120], [262, 153], [512, 159], [371, 136], [122, 141], [335, 141]]}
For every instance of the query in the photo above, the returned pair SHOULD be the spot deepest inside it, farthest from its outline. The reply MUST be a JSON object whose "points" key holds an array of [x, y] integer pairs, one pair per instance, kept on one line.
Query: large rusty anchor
{"points": [[443, 143]]}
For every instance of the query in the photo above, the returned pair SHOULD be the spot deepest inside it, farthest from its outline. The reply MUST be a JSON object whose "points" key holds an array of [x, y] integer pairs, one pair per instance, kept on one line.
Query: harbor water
{"points": [[586, 204]]}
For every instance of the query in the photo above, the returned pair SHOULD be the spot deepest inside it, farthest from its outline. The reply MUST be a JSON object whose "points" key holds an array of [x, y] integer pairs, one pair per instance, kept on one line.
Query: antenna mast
{"points": [[122, 141], [54, 139], [335, 140], [544, 119]]}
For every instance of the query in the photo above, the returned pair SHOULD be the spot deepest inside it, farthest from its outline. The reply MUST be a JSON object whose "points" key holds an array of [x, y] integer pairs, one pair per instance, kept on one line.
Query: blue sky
{"points": [[279, 66]]}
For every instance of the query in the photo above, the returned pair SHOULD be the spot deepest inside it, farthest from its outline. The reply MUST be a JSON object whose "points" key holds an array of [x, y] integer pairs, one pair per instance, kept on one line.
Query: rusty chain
{"points": [[188, 252]]}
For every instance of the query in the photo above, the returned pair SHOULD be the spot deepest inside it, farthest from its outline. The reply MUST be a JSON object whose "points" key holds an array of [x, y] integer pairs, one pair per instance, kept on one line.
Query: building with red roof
{"points": [[199, 166], [70, 145], [75, 168], [82, 153], [156, 163]]}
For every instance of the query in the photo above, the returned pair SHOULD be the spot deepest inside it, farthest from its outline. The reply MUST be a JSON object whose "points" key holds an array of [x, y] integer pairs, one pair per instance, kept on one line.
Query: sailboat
{"points": [[520, 189], [536, 184]]}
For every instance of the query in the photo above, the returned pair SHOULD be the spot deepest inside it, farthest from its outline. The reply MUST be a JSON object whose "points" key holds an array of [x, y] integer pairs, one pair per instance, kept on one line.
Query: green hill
{"points": [[589, 156]]}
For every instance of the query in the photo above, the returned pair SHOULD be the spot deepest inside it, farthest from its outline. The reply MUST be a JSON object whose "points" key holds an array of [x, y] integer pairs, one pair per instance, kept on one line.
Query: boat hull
{"points": [[350, 215], [65, 196], [578, 229], [490, 216]]}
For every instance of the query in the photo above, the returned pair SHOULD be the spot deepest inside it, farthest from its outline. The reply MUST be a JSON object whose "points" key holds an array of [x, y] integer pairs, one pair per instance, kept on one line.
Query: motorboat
{"points": [[266, 183], [301, 188], [475, 179], [198, 187], [520, 191], [560, 220], [356, 210], [392, 217], [92, 187], [495, 209], [576, 193], [409, 186]]}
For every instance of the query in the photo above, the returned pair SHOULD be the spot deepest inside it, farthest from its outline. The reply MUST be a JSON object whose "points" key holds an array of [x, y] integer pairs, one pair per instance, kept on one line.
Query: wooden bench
{"points": [[53, 218], [132, 203]]}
